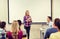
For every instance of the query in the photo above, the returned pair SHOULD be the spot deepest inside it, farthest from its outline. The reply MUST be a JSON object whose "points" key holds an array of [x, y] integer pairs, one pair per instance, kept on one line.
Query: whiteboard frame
{"points": [[32, 22]]}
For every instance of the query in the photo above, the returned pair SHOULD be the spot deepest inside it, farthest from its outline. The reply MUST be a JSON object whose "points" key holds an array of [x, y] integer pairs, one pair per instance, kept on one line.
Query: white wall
{"points": [[56, 9], [3, 10], [4, 13]]}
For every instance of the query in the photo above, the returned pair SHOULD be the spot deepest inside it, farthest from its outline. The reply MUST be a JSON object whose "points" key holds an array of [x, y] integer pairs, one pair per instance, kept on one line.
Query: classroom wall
{"points": [[4, 9], [4, 13], [56, 9], [36, 9]]}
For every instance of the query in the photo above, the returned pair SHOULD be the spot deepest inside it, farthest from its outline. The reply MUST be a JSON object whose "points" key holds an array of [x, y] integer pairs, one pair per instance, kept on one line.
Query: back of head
{"points": [[19, 22], [2, 24], [57, 23], [50, 18], [15, 26]]}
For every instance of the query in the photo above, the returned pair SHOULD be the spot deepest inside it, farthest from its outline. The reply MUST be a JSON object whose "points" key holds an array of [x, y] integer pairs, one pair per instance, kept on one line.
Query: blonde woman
{"points": [[27, 22], [15, 31], [14, 27]]}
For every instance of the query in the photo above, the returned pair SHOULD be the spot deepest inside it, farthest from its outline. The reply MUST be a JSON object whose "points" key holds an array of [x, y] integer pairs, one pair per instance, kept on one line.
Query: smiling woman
{"points": [[39, 9]]}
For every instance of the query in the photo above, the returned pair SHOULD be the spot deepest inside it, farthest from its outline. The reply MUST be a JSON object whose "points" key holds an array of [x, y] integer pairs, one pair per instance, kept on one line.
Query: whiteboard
{"points": [[39, 9]]}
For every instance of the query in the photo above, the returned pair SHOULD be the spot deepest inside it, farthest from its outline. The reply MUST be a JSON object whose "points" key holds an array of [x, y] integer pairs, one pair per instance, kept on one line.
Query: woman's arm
{"points": [[24, 19], [30, 19]]}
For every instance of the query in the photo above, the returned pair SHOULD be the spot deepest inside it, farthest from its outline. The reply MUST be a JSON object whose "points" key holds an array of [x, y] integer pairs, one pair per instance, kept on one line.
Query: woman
{"points": [[15, 31], [27, 22]]}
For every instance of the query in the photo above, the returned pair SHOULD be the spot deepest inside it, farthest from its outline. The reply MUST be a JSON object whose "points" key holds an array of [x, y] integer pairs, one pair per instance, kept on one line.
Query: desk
{"points": [[42, 31]]}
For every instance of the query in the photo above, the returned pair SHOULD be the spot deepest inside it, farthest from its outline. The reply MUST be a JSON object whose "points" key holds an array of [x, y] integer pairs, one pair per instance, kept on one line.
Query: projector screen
{"points": [[39, 9]]}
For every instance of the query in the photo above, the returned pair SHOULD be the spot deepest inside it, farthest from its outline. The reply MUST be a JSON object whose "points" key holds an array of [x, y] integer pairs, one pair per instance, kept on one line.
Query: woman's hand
{"points": [[29, 19]]}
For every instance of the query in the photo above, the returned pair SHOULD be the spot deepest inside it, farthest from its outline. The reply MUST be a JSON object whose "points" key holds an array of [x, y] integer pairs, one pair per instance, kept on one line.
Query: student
{"points": [[49, 20], [57, 34], [15, 33], [20, 33], [24, 31], [27, 23], [2, 30], [50, 31], [14, 30], [19, 22]]}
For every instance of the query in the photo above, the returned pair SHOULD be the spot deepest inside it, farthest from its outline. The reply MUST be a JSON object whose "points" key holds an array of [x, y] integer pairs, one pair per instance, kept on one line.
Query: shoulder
{"points": [[51, 22], [29, 16], [52, 29], [49, 29], [1, 30], [53, 36], [24, 16]]}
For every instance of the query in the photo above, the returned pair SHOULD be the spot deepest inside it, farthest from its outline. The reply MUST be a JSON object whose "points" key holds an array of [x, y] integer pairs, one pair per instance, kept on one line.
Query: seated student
{"points": [[57, 34], [49, 20], [2, 30], [15, 31], [19, 22], [51, 30], [24, 31]]}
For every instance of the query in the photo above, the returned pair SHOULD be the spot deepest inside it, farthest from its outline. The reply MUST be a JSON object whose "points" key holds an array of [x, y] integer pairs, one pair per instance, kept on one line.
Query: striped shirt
{"points": [[27, 24]]}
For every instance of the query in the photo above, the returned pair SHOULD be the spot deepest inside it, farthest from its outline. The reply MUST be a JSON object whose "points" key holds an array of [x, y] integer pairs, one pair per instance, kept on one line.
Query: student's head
{"points": [[15, 26], [49, 18], [27, 13], [57, 23], [19, 22], [2, 24]]}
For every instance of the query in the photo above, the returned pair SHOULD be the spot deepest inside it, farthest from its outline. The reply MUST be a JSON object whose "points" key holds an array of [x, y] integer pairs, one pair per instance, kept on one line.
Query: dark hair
{"points": [[2, 24], [57, 22], [50, 18], [19, 22]]}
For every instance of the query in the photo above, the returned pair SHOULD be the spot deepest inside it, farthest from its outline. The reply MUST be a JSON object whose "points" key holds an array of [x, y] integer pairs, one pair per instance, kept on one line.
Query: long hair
{"points": [[15, 26], [27, 12]]}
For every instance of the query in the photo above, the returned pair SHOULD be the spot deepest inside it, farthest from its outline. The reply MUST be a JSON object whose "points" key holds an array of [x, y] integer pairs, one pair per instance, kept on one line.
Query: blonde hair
{"points": [[15, 26], [26, 12]]}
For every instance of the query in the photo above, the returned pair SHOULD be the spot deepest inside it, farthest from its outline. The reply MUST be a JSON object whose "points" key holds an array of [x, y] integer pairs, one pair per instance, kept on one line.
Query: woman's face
{"points": [[27, 13], [48, 19]]}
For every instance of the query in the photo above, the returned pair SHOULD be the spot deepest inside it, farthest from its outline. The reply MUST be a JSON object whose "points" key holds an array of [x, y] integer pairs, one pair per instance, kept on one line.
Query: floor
{"points": [[35, 32]]}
